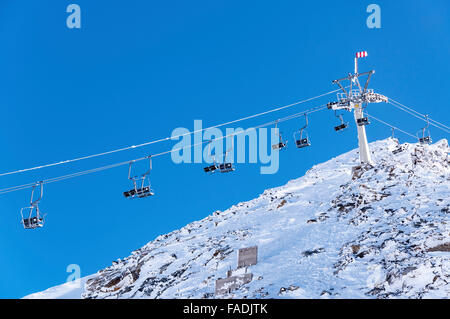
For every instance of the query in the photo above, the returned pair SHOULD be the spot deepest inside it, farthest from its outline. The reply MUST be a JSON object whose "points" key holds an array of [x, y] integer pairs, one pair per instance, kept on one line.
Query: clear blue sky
{"points": [[138, 69]]}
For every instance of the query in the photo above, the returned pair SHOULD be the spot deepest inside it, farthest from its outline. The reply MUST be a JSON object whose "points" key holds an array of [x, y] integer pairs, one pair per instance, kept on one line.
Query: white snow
{"points": [[69, 290]]}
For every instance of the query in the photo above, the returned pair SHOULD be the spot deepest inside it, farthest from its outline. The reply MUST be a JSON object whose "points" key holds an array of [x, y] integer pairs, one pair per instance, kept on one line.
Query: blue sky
{"points": [[136, 71]]}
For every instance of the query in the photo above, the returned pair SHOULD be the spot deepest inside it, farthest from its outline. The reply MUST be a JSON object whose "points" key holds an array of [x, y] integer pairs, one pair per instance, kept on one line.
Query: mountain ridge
{"points": [[340, 231]]}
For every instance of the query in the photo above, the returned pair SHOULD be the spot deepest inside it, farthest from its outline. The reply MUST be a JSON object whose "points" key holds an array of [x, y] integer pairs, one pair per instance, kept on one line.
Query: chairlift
{"points": [[425, 139], [31, 216], [363, 121], [399, 148], [301, 137], [211, 168], [141, 183], [214, 167], [226, 167], [341, 127], [281, 144]]}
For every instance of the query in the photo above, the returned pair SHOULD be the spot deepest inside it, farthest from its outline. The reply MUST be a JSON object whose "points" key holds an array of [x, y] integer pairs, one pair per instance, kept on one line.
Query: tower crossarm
{"points": [[371, 97]]}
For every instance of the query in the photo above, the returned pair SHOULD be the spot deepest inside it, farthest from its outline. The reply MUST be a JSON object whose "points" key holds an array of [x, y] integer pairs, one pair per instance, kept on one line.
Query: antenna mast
{"points": [[356, 99]]}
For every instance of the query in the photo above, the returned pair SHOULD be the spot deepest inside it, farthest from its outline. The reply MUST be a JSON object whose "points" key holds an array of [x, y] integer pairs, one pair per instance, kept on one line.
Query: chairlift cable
{"points": [[166, 138], [391, 126], [423, 115], [422, 118], [429, 121], [106, 167], [102, 168], [287, 118], [419, 116]]}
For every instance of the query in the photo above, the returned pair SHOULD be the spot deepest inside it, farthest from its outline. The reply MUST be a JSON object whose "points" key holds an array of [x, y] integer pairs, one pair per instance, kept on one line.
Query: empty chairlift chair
{"points": [[214, 167], [302, 142], [341, 127], [281, 144], [141, 183], [363, 121], [343, 102], [211, 168], [32, 217], [425, 139], [226, 167], [398, 149], [301, 137]]}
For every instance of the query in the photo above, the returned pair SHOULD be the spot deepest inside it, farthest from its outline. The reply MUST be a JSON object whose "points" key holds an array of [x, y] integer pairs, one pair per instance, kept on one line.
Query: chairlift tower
{"points": [[355, 97]]}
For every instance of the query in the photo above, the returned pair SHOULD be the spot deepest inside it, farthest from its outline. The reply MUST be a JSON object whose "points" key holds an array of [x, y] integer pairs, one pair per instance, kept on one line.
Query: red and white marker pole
{"points": [[360, 54]]}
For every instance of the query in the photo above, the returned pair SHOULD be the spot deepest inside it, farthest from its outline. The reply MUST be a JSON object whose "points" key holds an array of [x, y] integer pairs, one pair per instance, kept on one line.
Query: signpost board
{"points": [[247, 256], [226, 285]]}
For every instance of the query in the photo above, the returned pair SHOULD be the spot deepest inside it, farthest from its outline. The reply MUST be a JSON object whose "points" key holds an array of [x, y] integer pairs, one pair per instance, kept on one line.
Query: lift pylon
{"points": [[355, 97]]}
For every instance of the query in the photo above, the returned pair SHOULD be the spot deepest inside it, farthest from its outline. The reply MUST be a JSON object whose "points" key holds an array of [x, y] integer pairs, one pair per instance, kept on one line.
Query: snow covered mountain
{"points": [[340, 231]]}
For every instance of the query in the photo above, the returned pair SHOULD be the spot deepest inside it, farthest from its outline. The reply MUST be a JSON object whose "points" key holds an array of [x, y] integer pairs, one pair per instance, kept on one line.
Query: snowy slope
{"points": [[377, 232], [69, 290]]}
